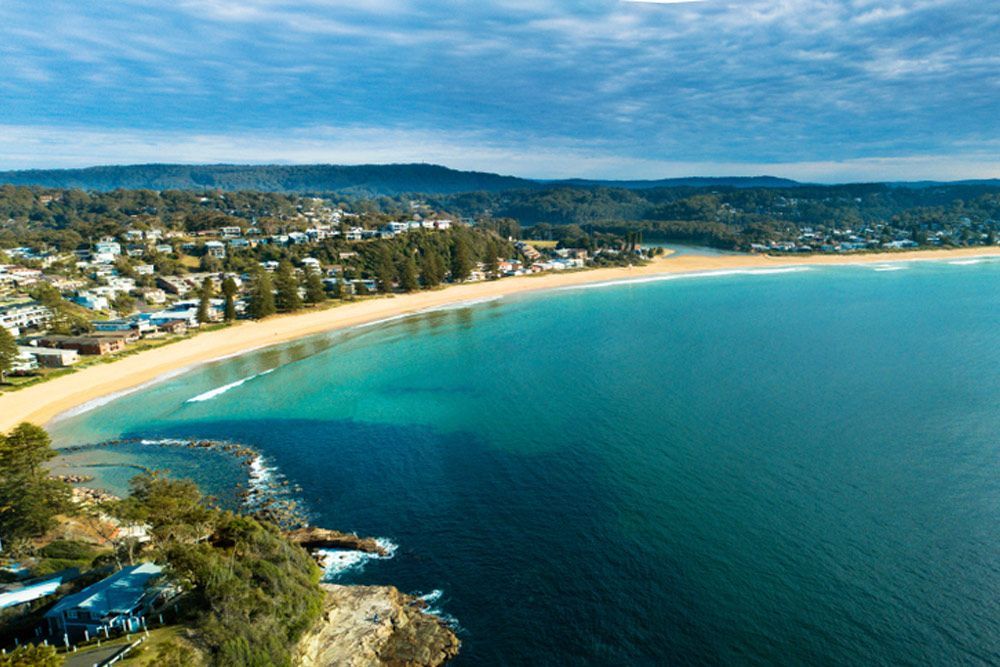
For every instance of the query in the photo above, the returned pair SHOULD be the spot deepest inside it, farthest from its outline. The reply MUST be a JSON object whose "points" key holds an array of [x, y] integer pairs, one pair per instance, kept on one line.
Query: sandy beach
{"points": [[40, 403]]}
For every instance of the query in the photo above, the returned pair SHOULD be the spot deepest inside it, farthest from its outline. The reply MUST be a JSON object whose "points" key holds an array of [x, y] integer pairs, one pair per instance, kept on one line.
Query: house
{"points": [[116, 602], [215, 249], [230, 232], [84, 344], [108, 248], [92, 301], [24, 315], [50, 357]]}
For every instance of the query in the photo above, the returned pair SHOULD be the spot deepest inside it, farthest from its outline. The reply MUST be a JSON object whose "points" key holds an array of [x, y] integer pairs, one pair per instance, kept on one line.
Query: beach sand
{"points": [[40, 403]]}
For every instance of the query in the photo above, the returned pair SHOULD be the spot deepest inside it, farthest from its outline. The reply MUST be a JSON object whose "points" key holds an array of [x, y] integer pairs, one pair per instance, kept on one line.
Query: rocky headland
{"points": [[374, 626]]}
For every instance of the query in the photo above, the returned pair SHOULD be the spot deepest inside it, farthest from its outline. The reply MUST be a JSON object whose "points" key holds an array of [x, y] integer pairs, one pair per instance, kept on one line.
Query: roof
{"points": [[120, 592]]}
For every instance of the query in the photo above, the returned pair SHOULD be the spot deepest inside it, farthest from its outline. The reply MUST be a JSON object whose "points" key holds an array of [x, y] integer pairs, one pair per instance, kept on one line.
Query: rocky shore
{"points": [[373, 626], [312, 538]]}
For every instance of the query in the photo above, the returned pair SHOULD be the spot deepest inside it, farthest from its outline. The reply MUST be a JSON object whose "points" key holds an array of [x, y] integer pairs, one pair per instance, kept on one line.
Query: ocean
{"points": [[759, 467]]}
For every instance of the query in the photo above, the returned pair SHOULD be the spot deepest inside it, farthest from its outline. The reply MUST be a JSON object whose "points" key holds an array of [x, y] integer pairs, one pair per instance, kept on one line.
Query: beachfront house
{"points": [[119, 602]]}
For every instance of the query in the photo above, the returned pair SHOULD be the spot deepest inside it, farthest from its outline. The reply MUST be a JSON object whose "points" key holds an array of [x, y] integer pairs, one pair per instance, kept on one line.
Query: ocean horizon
{"points": [[792, 466]]}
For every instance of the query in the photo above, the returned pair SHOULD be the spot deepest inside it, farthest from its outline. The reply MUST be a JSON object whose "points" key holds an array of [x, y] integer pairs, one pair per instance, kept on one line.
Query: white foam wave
{"points": [[432, 597], [967, 262], [891, 267], [337, 562], [429, 599], [219, 391]]}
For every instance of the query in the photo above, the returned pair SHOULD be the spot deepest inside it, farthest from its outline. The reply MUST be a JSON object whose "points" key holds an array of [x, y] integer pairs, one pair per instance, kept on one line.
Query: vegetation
{"points": [[8, 353], [229, 291], [29, 498], [262, 302], [254, 593], [205, 295], [31, 656], [287, 299]]}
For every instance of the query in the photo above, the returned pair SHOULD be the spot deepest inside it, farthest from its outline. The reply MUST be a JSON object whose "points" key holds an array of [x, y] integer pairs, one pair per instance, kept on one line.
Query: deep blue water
{"points": [[796, 468]]}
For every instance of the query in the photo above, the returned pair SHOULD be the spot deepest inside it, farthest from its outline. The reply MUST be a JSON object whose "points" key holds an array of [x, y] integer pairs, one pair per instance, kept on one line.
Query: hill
{"points": [[361, 180]]}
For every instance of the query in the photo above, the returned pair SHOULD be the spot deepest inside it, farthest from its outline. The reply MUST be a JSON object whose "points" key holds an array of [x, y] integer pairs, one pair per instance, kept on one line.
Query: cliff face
{"points": [[373, 626]]}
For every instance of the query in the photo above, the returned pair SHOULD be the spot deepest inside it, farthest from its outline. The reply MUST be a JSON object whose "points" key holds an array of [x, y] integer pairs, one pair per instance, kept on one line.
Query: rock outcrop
{"points": [[375, 626], [320, 538]]}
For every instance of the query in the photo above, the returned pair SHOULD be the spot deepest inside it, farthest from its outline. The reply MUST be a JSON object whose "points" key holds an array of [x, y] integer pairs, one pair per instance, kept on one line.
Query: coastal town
{"points": [[148, 285]]}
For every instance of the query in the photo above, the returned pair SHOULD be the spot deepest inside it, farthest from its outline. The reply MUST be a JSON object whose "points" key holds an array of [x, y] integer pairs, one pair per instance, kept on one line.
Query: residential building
{"points": [[50, 357], [91, 345], [118, 602]]}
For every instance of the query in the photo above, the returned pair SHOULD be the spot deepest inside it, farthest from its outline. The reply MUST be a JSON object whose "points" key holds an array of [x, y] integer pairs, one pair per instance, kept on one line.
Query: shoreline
{"points": [[104, 382]]}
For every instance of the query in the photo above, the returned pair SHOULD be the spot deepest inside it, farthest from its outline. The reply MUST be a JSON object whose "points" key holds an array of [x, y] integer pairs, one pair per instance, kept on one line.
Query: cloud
{"points": [[715, 82]]}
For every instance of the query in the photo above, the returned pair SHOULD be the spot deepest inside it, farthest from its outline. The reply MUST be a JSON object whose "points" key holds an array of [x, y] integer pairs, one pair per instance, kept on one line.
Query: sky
{"points": [[817, 90]]}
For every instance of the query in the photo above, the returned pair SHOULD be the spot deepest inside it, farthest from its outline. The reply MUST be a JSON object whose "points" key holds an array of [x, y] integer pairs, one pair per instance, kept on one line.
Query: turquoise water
{"points": [[790, 468]]}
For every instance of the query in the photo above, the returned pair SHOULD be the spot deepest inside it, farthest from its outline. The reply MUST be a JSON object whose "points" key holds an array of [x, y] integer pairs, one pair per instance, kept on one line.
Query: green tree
{"points": [[229, 290], [29, 498], [205, 301], [8, 352], [461, 260], [408, 274], [492, 265], [123, 304], [337, 291], [262, 296], [287, 285], [315, 291], [173, 509], [431, 268], [385, 272]]}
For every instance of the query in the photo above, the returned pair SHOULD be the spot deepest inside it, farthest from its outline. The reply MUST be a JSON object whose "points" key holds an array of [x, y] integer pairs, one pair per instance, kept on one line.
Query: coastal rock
{"points": [[312, 538], [372, 626]]}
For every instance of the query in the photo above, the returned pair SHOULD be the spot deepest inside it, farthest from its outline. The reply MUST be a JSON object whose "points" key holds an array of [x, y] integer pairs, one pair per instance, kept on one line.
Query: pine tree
{"points": [[229, 289], [287, 285], [29, 498], [205, 301], [262, 298], [8, 352], [461, 262], [408, 275], [385, 272], [337, 291], [431, 268], [492, 265], [315, 292]]}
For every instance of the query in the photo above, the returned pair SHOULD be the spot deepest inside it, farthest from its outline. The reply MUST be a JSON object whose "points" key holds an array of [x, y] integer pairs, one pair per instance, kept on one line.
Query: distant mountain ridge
{"points": [[389, 179], [365, 180]]}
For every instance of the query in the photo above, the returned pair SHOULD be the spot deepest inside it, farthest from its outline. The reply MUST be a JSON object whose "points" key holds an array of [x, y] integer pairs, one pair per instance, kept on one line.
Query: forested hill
{"points": [[361, 180]]}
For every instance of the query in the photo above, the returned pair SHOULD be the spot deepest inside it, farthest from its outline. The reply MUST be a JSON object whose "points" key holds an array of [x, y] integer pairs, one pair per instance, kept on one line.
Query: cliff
{"points": [[369, 626]]}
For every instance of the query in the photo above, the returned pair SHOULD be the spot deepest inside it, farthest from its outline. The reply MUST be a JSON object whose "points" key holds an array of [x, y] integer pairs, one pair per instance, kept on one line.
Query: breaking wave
{"points": [[337, 562], [219, 391]]}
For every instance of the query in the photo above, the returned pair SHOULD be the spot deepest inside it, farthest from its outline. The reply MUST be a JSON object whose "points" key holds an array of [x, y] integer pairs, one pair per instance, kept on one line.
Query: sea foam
{"points": [[337, 562], [219, 391]]}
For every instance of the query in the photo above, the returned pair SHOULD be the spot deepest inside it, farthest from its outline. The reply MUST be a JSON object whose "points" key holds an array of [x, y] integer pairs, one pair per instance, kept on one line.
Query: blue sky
{"points": [[811, 89]]}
